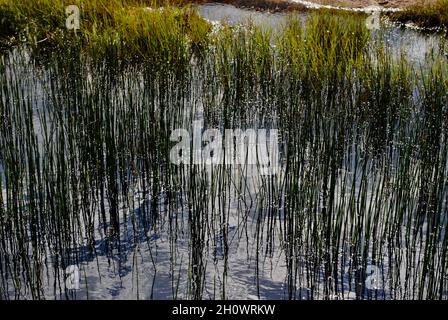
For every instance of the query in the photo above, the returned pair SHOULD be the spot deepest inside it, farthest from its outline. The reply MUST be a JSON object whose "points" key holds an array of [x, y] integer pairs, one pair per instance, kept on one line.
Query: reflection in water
{"points": [[361, 192]]}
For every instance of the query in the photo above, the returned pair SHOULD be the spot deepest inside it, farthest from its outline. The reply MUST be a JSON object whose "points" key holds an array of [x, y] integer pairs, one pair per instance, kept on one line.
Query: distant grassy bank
{"points": [[132, 28], [169, 30], [138, 29], [426, 14]]}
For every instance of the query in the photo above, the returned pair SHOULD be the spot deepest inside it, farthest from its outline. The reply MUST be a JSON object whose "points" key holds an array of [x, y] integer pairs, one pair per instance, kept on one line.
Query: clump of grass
{"points": [[332, 45], [426, 14]]}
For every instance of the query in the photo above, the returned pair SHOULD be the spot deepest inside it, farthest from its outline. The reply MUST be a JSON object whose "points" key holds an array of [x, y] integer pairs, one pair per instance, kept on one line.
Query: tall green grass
{"points": [[137, 30], [426, 14], [86, 175]]}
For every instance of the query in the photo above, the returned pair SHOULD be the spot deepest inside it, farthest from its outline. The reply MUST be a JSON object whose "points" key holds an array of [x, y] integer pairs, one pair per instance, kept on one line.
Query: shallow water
{"points": [[233, 15], [257, 231]]}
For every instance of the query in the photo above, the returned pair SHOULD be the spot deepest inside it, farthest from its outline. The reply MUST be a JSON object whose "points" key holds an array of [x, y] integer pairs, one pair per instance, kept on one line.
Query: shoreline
{"points": [[362, 4]]}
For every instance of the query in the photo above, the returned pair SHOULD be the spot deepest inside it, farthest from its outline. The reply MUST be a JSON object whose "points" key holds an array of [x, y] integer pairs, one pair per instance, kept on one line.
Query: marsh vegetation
{"points": [[358, 209], [425, 14]]}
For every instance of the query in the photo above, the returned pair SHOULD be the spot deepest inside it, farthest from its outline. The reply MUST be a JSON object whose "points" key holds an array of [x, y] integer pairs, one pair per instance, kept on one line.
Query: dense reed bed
{"points": [[135, 29], [357, 210]]}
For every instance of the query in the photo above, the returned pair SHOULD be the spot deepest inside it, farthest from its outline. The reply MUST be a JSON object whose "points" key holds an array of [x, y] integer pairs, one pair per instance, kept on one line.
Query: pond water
{"points": [[357, 208]]}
